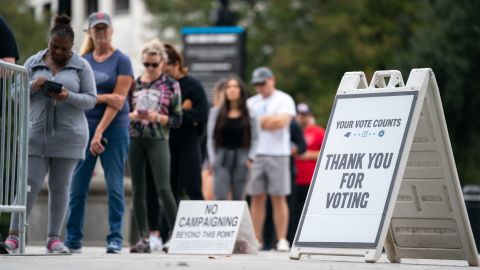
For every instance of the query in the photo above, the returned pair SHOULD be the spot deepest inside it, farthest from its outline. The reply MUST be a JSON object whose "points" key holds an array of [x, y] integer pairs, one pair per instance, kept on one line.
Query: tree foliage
{"points": [[31, 35], [310, 44], [448, 43]]}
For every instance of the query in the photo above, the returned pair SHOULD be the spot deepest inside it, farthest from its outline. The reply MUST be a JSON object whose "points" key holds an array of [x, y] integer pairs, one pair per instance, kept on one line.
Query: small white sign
{"points": [[356, 170], [213, 227]]}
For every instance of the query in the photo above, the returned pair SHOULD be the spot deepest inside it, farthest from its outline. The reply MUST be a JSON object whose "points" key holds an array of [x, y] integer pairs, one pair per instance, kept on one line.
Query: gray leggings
{"points": [[60, 171], [230, 173], [157, 152]]}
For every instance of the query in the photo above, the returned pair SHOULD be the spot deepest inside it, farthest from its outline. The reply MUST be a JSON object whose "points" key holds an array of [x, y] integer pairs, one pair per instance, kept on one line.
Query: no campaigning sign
{"points": [[356, 170]]}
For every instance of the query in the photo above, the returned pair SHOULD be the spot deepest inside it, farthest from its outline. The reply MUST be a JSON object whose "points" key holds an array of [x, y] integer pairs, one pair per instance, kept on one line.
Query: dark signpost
{"points": [[212, 53]]}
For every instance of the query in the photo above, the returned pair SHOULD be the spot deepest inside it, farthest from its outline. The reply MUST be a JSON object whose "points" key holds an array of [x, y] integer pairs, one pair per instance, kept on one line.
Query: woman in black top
{"points": [[231, 141]]}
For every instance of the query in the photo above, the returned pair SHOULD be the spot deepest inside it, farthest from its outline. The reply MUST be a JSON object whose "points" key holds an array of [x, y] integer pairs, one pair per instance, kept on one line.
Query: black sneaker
{"points": [[3, 248], [142, 246]]}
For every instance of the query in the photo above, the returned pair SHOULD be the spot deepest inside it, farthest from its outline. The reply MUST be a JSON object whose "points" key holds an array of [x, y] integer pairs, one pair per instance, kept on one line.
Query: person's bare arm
{"points": [[310, 155], [122, 87], [277, 121], [10, 60]]}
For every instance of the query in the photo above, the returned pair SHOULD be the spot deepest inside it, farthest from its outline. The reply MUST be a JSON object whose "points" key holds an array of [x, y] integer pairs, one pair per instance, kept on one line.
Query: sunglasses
{"points": [[153, 65]]}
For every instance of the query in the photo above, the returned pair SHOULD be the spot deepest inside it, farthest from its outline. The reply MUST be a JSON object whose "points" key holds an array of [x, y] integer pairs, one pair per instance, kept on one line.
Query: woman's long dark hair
{"points": [[244, 116]]}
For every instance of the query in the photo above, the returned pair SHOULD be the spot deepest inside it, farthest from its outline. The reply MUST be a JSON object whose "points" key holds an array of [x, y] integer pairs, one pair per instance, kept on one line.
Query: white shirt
{"points": [[272, 142]]}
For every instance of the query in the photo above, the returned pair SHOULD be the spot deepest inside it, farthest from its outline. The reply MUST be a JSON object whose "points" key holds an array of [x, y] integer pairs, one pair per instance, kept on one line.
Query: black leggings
{"points": [[185, 176], [186, 170]]}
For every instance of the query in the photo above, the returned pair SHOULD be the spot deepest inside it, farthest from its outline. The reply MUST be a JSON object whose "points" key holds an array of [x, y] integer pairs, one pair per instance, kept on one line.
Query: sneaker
{"points": [[73, 249], [156, 243], [113, 247], [12, 243], [166, 246], [259, 245], [55, 246], [3, 248], [142, 246], [283, 245]]}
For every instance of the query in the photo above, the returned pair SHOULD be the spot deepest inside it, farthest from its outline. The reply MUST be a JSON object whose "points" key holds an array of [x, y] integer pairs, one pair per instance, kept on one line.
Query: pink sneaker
{"points": [[56, 246], [12, 242]]}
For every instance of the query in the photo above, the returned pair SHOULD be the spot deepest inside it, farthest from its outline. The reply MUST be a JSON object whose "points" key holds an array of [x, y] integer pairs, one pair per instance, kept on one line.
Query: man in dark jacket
{"points": [[9, 54]]}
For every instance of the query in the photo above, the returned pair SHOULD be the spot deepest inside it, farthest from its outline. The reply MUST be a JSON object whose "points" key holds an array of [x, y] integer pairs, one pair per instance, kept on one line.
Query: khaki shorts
{"points": [[271, 175]]}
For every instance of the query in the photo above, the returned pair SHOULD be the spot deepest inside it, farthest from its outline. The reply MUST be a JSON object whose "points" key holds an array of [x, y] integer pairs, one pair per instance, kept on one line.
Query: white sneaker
{"points": [[283, 245], [156, 243], [259, 245]]}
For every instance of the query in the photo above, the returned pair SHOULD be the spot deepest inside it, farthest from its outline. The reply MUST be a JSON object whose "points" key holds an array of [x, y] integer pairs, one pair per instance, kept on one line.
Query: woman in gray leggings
{"points": [[58, 131], [231, 141], [157, 108]]}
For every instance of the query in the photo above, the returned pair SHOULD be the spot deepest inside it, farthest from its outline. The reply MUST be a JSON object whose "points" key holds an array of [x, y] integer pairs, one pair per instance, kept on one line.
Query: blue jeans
{"points": [[113, 163]]}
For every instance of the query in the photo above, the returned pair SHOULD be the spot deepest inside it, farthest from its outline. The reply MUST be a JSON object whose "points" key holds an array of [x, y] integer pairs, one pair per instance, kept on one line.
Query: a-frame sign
{"points": [[386, 176]]}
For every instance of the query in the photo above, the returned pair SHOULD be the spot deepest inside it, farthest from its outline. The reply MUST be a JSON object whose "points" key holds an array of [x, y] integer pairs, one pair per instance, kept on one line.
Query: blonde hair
{"points": [[155, 47], [87, 45]]}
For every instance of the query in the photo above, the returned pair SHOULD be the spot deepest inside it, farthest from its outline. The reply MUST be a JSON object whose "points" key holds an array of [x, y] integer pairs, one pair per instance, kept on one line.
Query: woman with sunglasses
{"points": [[108, 123], [157, 108]]}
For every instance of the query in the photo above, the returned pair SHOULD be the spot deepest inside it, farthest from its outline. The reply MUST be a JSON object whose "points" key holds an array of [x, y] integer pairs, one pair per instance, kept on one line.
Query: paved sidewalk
{"points": [[94, 258]]}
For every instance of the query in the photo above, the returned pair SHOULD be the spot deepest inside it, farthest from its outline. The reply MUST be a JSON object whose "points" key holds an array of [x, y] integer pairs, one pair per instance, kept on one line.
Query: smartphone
{"points": [[104, 142], [51, 86], [142, 112]]}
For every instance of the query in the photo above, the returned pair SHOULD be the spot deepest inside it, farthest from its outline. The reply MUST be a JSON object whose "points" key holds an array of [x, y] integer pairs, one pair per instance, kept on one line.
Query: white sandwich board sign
{"points": [[386, 176], [213, 227]]}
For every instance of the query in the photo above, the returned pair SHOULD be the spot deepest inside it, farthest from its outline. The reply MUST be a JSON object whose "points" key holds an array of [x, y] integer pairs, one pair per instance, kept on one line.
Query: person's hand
{"points": [[133, 116], [249, 164], [96, 146], [63, 95], [116, 101], [155, 117], [38, 83], [187, 104], [294, 151]]}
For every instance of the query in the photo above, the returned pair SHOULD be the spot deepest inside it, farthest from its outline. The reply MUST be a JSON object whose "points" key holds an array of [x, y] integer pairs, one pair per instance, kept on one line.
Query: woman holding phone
{"points": [[157, 108], [108, 120], [62, 87]]}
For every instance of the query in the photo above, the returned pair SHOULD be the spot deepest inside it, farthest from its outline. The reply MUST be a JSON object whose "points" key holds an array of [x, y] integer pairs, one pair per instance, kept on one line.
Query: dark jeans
{"points": [[113, 163]]}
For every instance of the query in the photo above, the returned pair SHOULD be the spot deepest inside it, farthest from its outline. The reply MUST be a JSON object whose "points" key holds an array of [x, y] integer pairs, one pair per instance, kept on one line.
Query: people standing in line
{"points": [[232, 137], [109, 139], [270, 174], [307, 161], [185, 141], [58, 130], [8, 53], [156, 103]]}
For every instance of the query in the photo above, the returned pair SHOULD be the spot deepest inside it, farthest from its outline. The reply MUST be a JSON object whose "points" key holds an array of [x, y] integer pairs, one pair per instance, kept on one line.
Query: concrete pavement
{"points": [[94, 258]]}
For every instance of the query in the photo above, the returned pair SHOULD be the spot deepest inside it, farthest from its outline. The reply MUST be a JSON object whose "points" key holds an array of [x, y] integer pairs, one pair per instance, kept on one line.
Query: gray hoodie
{"points": [[59, 129]]}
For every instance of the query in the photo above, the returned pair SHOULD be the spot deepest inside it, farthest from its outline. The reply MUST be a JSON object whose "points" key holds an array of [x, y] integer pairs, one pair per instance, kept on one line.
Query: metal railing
{"points": [[14, 104]]}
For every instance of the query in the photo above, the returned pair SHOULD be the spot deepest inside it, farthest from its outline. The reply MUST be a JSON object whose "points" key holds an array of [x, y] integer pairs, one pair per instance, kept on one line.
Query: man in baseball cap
{"points": [[261, 74], [270, 172]]}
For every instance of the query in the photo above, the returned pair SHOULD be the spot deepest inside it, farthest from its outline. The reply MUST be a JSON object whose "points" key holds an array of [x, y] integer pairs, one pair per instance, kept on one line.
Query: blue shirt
{"points": [[106, 74]]}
